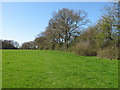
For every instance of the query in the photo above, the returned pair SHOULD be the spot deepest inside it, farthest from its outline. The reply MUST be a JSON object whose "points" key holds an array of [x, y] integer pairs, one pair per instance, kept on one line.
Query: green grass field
{"points": [[54, 69]]}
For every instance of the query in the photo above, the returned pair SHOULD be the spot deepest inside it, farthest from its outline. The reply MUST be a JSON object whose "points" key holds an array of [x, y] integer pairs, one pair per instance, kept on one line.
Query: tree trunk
{"points": [[53, 46]]}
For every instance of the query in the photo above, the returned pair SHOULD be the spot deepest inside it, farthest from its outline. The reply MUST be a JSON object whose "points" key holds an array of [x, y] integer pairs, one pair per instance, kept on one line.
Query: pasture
{"points": [[55, 69]]}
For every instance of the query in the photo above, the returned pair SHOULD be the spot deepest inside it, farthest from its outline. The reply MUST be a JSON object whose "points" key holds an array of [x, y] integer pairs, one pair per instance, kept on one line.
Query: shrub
{"points": [[110, 52], [84, 48], [60, 48]]}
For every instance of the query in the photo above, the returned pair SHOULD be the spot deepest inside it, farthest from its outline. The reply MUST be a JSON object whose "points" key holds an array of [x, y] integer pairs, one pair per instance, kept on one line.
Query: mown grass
{"points": [[54, 69]]}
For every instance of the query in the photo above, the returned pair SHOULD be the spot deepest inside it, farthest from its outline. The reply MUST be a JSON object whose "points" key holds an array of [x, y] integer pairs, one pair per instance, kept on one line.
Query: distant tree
{"points": [[40, 41], [51, 35], [0, 44], [9, 44], [25, 45], [15, 43], [28, 45]]}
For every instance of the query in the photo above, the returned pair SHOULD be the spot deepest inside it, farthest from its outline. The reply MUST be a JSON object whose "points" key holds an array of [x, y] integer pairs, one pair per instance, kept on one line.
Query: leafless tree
{"points": [[65, 25]]}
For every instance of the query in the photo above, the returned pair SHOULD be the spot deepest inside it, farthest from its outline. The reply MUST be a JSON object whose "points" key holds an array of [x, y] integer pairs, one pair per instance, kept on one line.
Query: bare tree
{"points": [[65, 25]]}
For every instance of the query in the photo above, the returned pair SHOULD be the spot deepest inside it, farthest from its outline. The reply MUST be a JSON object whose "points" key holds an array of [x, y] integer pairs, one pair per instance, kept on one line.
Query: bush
{"points": [[84, 48], [110, 52]]}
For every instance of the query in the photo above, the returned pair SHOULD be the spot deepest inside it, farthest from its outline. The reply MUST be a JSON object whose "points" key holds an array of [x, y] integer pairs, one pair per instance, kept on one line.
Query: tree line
{"points": [[9, 44], [66, 31]]}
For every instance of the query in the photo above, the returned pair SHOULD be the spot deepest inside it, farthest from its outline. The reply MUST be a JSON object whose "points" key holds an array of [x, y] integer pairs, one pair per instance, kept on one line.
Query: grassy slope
{"points": [[53, 69]]}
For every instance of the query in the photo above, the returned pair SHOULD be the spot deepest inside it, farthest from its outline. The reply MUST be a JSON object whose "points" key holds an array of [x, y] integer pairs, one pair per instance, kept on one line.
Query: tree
{"points": [[108, 27], [40, 41], [0, 44], [85, 43], [65, 25], [9, 44], [28, 45], [113, 12]]}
